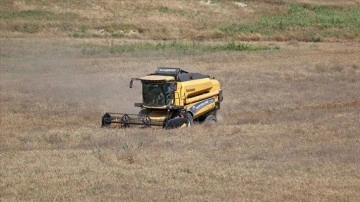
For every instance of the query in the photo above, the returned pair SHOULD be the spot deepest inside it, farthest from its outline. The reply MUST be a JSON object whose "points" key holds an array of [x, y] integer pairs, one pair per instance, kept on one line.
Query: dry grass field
{"points": [[288, 128]]}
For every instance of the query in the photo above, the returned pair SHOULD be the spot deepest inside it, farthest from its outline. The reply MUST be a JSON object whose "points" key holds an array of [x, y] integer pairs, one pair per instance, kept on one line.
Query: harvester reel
{"points": [[125, 120], [104, 119], [146, 121]]}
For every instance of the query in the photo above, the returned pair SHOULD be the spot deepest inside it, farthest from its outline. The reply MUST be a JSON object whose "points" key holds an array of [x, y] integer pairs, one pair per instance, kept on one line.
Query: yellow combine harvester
{"points": [[172, 98]]}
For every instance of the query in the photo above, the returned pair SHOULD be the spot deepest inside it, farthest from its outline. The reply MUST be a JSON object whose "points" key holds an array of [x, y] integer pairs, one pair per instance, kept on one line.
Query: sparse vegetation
{"points": [[29, 28], [36, 15], [193, 20], [310, 22], [179, 47]]}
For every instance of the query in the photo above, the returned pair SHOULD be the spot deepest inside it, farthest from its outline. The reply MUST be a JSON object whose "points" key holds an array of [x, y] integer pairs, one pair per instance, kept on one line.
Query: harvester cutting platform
{"points": [[172, 98]]}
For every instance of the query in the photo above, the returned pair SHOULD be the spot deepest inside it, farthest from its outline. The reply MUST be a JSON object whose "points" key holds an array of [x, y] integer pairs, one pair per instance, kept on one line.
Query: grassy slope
{"points": [[288, 131], [190, 20]]}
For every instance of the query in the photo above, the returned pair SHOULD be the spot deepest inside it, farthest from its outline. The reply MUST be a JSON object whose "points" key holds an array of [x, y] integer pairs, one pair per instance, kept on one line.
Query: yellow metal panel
{"points": [[205, 109], [179, 96], [153, 107], [196, 90], [215, 85], [158, 115], [196, 87], [157, 78], [201, 97]]}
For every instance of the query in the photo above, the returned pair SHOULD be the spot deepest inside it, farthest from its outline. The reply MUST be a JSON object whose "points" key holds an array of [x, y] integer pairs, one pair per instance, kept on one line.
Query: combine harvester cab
{"points": [[171, 98]]}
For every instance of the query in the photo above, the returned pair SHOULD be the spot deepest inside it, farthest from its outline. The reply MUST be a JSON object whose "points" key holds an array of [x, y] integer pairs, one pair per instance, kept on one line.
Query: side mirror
{"points": [[131, 83]]}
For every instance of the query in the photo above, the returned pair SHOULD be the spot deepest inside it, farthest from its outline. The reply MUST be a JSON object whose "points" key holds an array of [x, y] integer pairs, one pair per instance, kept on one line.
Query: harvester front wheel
{"points": [[176, 123], [190, 119], [210, 119]]}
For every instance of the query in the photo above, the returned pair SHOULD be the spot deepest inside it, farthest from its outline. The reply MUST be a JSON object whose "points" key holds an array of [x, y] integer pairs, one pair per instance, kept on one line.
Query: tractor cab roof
{"points": [[176, 74], [154, 78]]}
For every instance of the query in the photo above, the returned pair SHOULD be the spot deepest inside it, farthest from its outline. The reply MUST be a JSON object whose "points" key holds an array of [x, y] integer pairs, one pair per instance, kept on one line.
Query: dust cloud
{"points": [[58, 79]]}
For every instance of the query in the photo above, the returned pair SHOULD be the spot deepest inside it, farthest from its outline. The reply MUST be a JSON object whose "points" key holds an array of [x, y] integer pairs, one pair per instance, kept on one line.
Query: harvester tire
{"points": [[211, 119], [176, 123], [190, 119]]}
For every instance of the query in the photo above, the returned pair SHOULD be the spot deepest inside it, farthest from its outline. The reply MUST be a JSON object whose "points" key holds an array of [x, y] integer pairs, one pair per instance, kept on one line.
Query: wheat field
{"points": [[288, 128]]}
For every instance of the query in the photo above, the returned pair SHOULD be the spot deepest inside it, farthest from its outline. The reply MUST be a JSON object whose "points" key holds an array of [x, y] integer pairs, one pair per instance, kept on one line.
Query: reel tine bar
{"points": [[126, 120]]}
